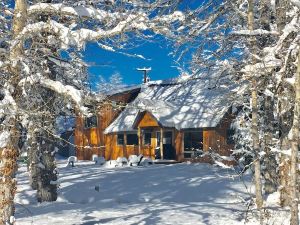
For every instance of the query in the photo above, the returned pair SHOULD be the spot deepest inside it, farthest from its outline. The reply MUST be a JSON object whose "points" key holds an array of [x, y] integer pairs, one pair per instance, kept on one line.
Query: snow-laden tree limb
{"points": [[8, 105], [69, 37], [78, 11], [66, 90], [4, 138], [253, 32], [296, 3], [291, 27]]}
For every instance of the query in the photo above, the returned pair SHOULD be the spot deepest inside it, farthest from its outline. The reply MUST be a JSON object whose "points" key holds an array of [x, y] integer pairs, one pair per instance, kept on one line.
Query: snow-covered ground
{"points": [[158, 194]]}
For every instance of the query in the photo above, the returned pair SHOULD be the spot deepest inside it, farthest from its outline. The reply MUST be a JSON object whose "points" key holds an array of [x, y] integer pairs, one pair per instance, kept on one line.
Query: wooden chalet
{"points": [[179, 120]]}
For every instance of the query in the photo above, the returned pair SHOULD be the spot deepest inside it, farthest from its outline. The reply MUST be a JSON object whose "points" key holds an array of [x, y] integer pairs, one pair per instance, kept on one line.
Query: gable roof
{"points": [[180, 103]]}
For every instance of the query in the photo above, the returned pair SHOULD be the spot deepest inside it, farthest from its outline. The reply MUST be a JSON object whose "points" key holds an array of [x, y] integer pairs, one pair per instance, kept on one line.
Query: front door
{"points": [[168, 148]]}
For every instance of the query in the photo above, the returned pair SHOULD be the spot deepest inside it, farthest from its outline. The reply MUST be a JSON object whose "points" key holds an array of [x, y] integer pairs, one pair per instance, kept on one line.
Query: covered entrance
{"points": [[168, 150], [155, 141]]}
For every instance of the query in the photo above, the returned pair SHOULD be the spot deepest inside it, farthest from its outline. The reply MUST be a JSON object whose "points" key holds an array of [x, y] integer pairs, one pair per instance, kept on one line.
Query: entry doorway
{"points": [[169, 151]]}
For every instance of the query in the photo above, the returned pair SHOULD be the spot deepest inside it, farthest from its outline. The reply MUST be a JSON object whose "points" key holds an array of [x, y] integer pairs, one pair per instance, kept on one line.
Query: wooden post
{"points": [[140, 140], [161, 143], [124, 144]]}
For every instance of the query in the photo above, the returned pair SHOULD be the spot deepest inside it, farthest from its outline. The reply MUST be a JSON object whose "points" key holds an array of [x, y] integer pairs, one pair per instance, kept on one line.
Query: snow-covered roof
{"points": [[121, 89], [182, 103]]}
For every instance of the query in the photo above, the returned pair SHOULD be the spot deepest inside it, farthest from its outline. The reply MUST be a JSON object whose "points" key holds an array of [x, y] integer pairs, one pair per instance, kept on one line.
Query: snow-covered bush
{"points": [[122, 161], [146, 161], [133, 160], [99, 160], [111, 164], [72, 160]]}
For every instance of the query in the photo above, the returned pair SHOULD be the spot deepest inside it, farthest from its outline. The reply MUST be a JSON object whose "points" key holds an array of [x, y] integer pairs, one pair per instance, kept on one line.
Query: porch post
{"points": [[161, 143], [124, 144]]}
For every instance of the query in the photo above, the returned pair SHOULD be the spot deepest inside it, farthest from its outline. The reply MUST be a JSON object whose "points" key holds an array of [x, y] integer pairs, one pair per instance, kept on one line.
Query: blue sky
{"points": [[105, 63]]}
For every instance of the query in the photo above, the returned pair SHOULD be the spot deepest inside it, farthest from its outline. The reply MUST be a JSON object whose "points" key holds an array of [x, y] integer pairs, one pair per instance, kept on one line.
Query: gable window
{"points": [[120, 139], [132, 139], [90, 122], [193, 144], [147, 138], [230, 138]]}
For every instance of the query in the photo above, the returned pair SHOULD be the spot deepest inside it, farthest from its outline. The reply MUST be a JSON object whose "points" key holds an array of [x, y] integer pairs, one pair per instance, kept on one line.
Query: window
{"points": [[132, 139], [147, 138], [120, 139], [90, 122], [230, 138], [193, 144]]}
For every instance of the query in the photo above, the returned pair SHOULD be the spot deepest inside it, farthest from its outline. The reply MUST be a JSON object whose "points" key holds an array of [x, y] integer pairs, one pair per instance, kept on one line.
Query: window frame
{"points": [[191, 152], [132, 133], [123, 138], [86, 124]]}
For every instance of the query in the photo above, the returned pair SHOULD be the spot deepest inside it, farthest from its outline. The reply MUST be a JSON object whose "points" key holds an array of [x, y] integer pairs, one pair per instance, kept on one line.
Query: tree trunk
{"points": [[42, 162], [47, 187], [284, 168], [33, 158], [270, 163], [295, 148], [9, 154], [255, 139], [254, 129]]}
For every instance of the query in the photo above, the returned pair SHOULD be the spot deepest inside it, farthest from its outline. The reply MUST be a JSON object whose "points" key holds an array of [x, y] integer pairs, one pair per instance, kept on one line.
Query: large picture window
{"points": [[90, 122], [193, 144], [132, 139]]}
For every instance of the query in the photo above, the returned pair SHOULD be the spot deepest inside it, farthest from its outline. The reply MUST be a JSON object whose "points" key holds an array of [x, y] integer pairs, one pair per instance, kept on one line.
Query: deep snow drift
{"points": [[158, 194]]}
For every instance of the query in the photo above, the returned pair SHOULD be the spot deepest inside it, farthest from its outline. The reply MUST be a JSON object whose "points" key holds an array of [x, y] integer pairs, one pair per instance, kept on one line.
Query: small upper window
{"points": [[132, 139], [120, 139], [147, 138], [90, 122]]}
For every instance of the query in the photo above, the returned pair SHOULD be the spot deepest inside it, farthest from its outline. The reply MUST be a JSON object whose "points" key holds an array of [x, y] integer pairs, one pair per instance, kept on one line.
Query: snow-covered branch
{"points": [[296, 3], [66, 90], [254, 32], [78, 11], [69, 37]]}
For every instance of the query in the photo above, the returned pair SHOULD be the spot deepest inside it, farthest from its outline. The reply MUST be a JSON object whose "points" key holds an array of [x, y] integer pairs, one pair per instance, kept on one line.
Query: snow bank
{"points": [[177, 194]]}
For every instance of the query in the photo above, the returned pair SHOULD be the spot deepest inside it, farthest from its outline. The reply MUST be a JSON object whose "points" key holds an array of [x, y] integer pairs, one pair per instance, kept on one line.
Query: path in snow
{"points": [[159, 194]]}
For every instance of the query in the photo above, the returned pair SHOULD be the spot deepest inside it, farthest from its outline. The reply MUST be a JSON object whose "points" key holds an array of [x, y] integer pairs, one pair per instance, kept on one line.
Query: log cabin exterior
{"points": [[169, 120]]}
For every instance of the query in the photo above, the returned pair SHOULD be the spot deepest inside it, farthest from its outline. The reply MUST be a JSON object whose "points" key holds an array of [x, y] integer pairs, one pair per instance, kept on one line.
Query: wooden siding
{"points": [[91, 141], [214, 139], [113, 150], [147, 120]]}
